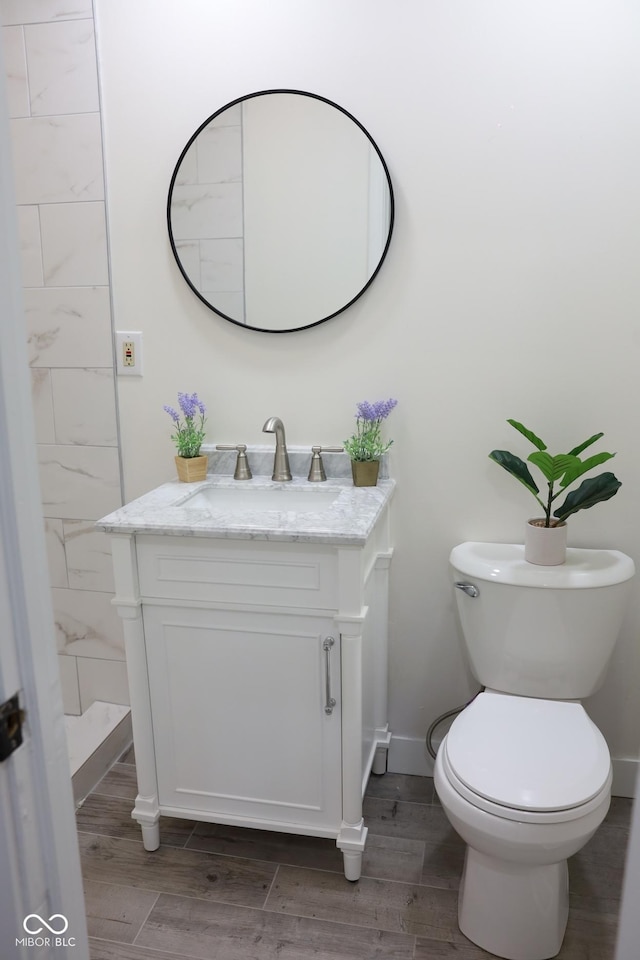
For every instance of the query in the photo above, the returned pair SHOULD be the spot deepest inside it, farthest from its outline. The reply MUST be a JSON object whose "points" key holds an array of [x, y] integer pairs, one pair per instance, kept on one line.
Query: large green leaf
{"points": [[516, 467], [529, 434], [582, 466], [583, 446], [553, 467], [590, 492]]}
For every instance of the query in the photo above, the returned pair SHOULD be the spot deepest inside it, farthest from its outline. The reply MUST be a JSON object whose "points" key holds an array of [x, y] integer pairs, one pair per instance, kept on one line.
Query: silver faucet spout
{"points": [[281, 470]]}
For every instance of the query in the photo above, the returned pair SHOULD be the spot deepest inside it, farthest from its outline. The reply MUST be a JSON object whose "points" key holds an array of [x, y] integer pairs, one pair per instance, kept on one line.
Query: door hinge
{"points": [[11, 720]]}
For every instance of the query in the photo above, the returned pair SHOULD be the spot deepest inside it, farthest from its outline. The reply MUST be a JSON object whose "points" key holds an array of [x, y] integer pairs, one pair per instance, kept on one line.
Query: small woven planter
{"points": [[192, 469]]}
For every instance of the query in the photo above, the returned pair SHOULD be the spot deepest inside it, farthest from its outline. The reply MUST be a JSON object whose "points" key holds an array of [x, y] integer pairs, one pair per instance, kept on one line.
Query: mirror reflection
{"points": [[280, 210]]}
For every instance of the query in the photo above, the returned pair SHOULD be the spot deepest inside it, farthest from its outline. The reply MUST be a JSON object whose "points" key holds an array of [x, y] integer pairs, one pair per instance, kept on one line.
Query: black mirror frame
{"points": [[227, 106]]}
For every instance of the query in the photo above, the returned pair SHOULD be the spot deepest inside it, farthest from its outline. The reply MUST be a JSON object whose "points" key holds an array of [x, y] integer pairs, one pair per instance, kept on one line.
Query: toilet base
{"points": [[514, 911]]}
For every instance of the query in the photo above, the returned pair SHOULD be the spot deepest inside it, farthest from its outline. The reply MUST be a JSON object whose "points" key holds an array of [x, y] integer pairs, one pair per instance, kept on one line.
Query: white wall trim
{"points": [[409, 755], [625, 776]]}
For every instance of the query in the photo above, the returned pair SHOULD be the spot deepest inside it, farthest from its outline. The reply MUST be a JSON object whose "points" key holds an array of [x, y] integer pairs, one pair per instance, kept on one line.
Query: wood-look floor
{"points": [[222, 893]]}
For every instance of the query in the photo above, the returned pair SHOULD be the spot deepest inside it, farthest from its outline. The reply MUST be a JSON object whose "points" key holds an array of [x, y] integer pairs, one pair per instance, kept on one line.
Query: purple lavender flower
{"points": [[367, 442], [384, 407], [365, 411], [186, 405], [190, 404], [190, 433], [379, 410]]}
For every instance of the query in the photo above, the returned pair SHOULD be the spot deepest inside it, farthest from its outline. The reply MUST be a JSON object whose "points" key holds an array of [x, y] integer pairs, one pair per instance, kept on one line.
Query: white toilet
{"points": [[523, 774]]}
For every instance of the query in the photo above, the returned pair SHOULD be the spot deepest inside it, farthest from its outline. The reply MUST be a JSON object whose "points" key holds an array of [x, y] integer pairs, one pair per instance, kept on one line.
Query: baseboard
{"points": [[409, 755], [92, 770], [625, 776]]}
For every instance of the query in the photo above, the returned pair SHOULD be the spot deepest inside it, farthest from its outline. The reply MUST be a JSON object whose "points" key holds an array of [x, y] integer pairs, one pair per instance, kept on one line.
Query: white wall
{"points": [[511, 288]]}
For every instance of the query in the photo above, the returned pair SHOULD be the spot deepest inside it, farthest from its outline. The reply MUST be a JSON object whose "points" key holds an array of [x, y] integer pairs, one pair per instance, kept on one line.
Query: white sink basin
{"points": [[239, 500]]}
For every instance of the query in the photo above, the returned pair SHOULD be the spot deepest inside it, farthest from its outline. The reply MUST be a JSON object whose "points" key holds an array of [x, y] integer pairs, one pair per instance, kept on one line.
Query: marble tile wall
{"points": [[52, 81], [208, 190]]}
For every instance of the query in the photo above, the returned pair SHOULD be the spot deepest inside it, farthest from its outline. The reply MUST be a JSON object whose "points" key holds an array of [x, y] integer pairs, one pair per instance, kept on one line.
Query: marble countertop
{"points": [[348, 520]]}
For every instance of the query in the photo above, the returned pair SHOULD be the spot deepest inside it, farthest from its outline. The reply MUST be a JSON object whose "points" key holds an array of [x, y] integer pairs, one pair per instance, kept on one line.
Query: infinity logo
{"points": [[37, 917]]}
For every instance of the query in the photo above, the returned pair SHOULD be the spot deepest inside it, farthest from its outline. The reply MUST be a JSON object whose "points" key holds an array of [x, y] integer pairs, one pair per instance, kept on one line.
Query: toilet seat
{"points": [[527, 759]]}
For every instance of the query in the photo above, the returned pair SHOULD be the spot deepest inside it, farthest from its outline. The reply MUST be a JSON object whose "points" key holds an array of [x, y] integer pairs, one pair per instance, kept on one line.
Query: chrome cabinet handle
{"points": [[330, 702], [469, 588]]}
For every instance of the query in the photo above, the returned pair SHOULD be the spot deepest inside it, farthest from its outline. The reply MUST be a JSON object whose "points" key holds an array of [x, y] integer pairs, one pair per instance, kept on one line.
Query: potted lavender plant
{"points": [[188, 437], [366, 446]]}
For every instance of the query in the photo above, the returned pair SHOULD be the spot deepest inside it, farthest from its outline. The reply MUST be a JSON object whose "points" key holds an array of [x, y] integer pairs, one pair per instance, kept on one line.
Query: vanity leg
{"points": [[379, 765], [150, 835], [353, 832], [147, 814], [352, 864], [146, 810], [351, 840]]}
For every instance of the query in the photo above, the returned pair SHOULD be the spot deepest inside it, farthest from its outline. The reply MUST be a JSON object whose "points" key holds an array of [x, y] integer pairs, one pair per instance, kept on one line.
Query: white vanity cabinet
{"points": [[258, 679]]}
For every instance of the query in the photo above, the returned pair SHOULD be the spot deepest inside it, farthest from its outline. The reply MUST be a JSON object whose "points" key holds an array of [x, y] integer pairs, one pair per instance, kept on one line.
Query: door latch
{"points": [[11, 720]]}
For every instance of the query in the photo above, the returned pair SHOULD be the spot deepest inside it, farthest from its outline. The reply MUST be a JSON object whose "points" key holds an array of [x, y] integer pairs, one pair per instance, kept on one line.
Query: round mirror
{"points": [[280, 210]]}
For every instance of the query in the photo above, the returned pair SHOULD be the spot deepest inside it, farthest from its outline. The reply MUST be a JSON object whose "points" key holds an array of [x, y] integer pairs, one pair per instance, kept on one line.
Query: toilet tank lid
{"points": [[527, 753], [505, 563]]}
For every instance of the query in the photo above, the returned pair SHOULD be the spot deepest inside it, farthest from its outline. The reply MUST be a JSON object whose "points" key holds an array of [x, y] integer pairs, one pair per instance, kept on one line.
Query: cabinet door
{"points": [[240, 727]]}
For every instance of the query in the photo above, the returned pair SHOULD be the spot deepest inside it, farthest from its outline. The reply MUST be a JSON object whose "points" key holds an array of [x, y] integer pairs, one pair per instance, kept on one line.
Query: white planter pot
{"points": [[545, 545]]}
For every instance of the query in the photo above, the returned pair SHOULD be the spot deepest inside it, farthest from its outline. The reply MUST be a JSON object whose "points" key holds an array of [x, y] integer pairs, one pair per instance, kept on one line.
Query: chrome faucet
{"points": [[281, 470]]}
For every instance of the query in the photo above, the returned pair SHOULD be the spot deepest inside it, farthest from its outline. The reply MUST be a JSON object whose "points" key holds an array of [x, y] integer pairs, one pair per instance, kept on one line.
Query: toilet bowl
{"points": [[524, 775], [525, 783]]}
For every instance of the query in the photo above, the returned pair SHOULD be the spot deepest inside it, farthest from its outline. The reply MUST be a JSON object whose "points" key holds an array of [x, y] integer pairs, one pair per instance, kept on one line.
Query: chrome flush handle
{"points": [[469, 588]]}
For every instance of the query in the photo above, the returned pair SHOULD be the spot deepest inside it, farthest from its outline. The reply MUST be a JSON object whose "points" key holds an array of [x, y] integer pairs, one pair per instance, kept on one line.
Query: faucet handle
{"points": [[242, 471], [316, 470]]}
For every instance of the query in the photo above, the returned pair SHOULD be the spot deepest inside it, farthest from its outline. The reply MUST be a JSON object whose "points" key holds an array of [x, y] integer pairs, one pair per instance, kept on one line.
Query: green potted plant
{"points": [[365, 447], [546, 537], [188, 437]]}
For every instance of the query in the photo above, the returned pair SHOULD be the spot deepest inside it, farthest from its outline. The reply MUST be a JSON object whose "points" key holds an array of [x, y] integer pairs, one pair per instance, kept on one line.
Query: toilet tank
{"points": [[539, 631]]}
